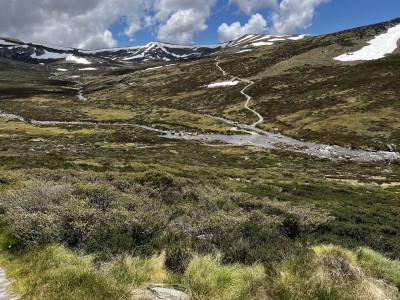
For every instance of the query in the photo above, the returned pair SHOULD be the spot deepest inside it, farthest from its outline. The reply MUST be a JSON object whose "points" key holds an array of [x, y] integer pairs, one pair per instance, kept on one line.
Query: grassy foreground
{"points": [[326, 272], [75, 234]]}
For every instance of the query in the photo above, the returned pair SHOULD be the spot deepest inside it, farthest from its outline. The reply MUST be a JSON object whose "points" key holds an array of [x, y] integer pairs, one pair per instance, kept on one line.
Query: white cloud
{"points": [[74, 23], [250, 6], [294, 14], [256, 24], [181, 27], [180, 20], [86, 23], [286, 17]]}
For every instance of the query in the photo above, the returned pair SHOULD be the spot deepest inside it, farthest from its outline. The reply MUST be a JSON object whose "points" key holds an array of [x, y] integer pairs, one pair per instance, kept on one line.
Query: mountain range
{"points": [[155, 51]]}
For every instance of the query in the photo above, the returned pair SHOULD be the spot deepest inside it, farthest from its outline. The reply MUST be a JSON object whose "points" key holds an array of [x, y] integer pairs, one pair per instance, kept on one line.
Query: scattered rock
{"points": [[159, 293], [168, 294]]}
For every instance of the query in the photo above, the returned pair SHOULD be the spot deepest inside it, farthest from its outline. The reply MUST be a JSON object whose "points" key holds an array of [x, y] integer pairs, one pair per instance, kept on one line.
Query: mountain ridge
{"points": [[154, 51]]}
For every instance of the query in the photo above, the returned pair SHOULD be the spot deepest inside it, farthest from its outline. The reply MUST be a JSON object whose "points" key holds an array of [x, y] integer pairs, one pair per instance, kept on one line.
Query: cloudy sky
{"points": [[111, 23]]}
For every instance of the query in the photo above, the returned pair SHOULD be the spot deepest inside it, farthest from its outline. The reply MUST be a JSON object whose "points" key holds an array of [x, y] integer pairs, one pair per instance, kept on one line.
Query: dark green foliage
{"points": [[178, 255]]}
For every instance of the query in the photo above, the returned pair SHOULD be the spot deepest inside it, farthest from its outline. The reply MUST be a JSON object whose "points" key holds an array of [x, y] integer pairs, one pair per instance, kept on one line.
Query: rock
{"points": [[168, 294], [391, 147]]}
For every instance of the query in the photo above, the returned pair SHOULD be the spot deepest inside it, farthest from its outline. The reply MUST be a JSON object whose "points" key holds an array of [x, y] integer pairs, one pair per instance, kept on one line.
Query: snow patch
{"points": [[78, 60], [378, 47], [154, 68], [88, 69], [222, 84], [296, 38], [54, 47], [259, 44], [5, 43], [49, 55], [277, 40], [62, 70], [242, 51], [141, 55]]}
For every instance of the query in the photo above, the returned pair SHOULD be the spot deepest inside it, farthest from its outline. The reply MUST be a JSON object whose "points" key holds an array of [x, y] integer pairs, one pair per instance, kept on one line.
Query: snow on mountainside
{"points": [[382, 39], [377, 48], [155, 51], [257, 40]]}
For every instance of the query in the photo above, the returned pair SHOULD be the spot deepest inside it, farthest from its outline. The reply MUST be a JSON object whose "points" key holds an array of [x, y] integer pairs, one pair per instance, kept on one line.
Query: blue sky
{"points": [[94, 24], [329, 17]]}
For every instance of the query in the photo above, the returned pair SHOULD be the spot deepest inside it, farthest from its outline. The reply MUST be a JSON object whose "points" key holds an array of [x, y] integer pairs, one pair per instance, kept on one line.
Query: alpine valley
{"points": [[263, 168]]}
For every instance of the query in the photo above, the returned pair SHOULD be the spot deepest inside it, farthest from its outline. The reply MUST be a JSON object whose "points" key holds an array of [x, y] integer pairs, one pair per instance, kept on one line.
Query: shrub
{"points": [[178, 256], [32, 212]]}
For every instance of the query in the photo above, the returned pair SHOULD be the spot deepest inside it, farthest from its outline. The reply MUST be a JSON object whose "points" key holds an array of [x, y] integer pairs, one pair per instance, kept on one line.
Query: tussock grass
{"points": [[380, 266], [55, 272], [330, 272], [206, 278], [135, 271]]}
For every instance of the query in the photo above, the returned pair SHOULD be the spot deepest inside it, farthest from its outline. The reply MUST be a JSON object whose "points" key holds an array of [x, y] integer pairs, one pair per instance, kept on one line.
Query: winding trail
{"points": [[243, 92], [253, 136]]}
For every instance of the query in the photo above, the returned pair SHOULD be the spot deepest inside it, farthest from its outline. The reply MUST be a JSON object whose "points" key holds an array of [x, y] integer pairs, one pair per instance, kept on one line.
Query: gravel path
{"points": [[4, 295], [243, 92]]}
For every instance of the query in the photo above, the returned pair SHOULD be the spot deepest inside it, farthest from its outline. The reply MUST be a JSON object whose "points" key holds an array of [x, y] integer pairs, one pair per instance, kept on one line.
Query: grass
{"points": [[206, 278], [326, 272], [379, 266], [54, 272], [332, 272]]}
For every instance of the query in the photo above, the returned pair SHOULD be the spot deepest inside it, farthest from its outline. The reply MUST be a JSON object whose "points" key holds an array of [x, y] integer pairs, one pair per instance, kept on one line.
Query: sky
{"points": [[95, 24]]}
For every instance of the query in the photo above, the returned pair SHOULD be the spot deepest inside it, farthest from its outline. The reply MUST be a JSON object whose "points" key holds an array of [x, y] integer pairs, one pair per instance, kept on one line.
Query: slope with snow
{"points": [[5, 43], [257, 40], [222, 84], [49, 55], [379, 47], [78, 60]]}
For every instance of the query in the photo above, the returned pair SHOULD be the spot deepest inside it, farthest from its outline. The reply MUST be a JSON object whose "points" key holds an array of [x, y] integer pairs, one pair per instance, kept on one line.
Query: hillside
{"points": [[264, 168]]}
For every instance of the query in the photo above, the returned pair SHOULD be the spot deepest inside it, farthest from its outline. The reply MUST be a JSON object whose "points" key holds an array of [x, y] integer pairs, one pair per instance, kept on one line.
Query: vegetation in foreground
{"points": [[110, 235], [324, 272]]}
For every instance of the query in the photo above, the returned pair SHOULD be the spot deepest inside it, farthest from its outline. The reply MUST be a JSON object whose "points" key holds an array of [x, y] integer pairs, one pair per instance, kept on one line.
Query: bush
{"points": [[178, 256]]}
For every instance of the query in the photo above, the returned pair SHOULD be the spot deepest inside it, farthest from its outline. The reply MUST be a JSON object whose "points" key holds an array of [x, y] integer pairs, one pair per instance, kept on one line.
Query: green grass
{"points": [[54, 272], [206, 278], [379, 266]]}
